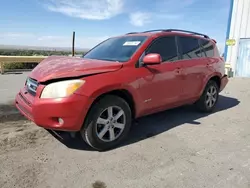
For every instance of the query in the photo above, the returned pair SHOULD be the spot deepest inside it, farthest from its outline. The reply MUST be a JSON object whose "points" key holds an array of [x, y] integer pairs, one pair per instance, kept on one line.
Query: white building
{"points": [[238, 52]]}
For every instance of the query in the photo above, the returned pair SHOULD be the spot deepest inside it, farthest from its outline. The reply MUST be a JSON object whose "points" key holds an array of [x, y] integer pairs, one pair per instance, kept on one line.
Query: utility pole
{"points": [[73, 44]]}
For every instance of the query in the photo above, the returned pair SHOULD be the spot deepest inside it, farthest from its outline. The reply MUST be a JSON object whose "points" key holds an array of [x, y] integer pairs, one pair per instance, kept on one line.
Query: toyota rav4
{"points": [[121, 79]]}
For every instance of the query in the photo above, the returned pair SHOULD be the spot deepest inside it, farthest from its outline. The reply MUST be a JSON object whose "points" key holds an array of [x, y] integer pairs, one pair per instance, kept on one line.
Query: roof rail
{"points": [[146, 31], [172, 30], [132, 33], [185, 31], [155, 30]]}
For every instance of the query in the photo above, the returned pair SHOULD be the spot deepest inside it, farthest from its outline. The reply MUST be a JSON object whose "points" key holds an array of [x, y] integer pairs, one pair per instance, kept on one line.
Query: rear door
{"points": [[194, 66]]}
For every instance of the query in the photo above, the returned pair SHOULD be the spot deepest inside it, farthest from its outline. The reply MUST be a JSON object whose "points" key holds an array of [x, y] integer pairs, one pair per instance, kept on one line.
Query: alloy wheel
{"points": [[110, 124], [211, 96]]}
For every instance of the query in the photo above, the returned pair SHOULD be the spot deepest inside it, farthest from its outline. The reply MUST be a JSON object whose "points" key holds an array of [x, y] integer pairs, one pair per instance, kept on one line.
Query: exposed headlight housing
{"points": [[61, 89]]}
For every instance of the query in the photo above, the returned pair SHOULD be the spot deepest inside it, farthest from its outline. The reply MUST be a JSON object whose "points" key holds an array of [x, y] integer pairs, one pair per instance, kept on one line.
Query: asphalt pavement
{"points": [[179, 148]]}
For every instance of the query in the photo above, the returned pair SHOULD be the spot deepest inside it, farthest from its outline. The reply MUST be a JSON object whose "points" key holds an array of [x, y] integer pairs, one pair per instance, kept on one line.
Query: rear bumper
{"points": [[45, 112], [224, 81]]}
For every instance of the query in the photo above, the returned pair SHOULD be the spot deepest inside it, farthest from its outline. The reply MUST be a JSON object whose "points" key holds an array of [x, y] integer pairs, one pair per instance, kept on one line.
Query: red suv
{"points": [[121, 79]]}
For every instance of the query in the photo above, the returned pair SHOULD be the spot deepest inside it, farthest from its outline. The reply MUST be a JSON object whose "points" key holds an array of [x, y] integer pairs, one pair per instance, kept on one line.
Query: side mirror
{"points": [[152, 59]]}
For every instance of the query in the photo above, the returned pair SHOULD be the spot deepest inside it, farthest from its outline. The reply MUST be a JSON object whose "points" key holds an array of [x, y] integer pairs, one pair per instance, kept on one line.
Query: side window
{"points": [[166, 47], [190, 47], [208, 47]]}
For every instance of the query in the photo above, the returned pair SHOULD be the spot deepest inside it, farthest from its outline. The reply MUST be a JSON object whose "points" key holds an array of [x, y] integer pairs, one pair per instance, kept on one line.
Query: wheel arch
{"points": [[214, 77], [217, 80], [122, 93]]}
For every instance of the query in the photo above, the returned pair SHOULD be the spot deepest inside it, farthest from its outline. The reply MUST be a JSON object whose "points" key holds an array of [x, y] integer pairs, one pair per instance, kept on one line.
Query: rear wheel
{"points": [[209, 98], [108, 123]]}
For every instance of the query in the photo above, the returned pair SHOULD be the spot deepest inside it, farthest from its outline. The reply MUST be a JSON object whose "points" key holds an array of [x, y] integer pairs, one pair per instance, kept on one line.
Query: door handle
{"points": [[178, 70]]}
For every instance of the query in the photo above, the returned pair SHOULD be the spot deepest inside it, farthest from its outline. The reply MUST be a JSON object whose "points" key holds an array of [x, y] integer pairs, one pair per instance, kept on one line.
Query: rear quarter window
{"points": [[208, 47]]}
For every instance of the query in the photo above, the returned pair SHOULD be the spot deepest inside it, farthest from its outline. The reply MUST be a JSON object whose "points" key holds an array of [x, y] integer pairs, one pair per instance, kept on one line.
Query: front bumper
{"points": [[46, 112]]}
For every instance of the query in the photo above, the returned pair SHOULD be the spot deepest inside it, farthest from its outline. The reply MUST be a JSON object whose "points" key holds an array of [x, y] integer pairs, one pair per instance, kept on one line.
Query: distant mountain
{"points": [[20, 47]]}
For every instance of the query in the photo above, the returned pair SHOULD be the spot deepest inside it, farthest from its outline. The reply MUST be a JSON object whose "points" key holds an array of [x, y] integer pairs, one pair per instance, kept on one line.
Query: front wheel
{"points": [[107, 123], [209, 98]]}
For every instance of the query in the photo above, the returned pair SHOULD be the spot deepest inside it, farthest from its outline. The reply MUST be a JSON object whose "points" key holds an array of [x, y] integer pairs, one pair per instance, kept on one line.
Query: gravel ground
{"points": [[176, 148]]}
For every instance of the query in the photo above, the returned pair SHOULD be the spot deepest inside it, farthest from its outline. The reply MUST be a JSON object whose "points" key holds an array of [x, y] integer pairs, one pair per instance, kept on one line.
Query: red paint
{"points": [[60, 66], [154, 88]]}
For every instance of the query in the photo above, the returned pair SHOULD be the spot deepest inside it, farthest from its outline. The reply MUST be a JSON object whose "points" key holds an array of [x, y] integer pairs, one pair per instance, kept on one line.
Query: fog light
{"points": [[60, 121]]}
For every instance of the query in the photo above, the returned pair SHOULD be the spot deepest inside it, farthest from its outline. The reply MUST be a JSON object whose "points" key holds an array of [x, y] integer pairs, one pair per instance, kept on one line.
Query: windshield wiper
{"points": [[104, 59]]}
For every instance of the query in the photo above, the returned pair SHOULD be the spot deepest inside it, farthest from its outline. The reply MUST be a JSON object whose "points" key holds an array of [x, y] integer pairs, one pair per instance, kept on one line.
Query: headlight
{"points": [[61, 89]]}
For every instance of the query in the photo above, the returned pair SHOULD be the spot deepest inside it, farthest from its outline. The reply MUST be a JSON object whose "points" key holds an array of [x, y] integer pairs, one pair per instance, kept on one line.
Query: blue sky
{"points": [[51, 22]]}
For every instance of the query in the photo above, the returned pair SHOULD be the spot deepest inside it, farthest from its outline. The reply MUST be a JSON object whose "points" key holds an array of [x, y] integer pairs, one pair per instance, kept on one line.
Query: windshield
{"points": [[116, 49]]}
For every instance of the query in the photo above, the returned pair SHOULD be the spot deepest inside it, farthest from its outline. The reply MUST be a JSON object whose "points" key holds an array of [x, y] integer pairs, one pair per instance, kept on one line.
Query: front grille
{"points": [[32, 86]]}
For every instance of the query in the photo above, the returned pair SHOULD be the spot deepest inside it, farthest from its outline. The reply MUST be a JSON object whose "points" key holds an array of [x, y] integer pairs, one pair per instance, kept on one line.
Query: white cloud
{"points": [[139, 18], [49, 41], [106, 9], [87, 9]]}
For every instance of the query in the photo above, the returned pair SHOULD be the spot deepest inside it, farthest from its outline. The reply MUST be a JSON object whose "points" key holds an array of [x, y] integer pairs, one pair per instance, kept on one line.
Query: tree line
{"points": [[17, 52]]}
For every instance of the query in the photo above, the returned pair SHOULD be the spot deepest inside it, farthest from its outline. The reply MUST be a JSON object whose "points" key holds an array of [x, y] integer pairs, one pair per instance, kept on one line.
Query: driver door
{"points": [[160, 85]]}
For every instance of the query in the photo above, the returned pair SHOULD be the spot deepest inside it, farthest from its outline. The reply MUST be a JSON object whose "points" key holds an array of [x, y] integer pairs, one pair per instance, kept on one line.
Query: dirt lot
{"points": [[177, 148]]}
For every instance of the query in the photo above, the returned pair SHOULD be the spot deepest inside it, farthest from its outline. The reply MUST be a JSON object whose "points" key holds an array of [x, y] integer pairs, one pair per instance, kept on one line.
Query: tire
{"points": [[103, 131], [202, 104]]}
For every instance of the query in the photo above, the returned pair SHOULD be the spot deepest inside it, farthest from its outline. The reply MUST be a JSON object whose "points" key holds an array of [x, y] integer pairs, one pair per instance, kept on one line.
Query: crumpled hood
{"points": [[55, 67]]}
